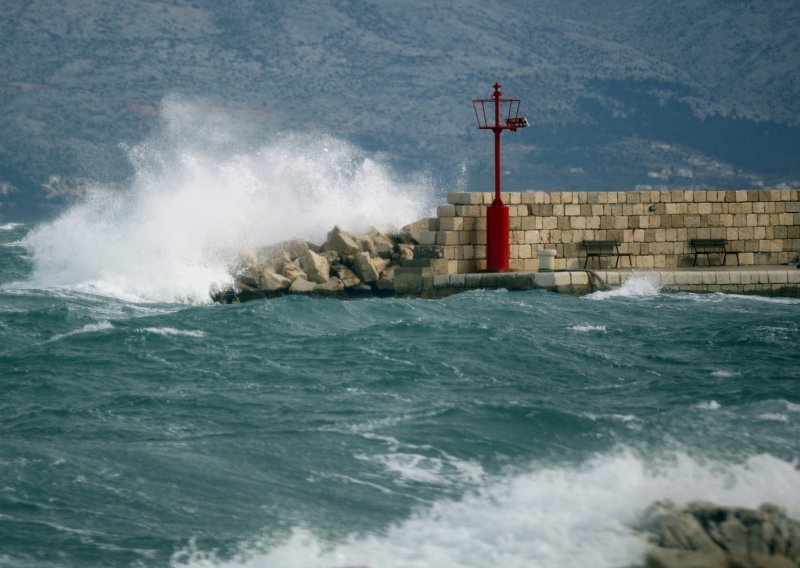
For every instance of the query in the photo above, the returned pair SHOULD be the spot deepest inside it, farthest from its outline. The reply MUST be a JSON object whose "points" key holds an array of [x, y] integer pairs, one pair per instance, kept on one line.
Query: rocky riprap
{"points": [[345, 265], [706, 535]]}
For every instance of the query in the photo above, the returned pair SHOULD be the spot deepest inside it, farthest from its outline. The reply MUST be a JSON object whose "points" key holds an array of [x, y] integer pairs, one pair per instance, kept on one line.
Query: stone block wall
{"points": [[654, 226]]}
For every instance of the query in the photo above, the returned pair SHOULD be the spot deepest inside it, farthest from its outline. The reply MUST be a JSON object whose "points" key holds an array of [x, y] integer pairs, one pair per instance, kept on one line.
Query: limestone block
{"points": [[468, 211], [777, 277], [579, 278], [451, 224], [271, 282], [292, 271], [465, 198], [709, 277], [578, 222], [342, 242], [366, 267], [301, 286], [345, 275], [426, 237], [315, 266]]}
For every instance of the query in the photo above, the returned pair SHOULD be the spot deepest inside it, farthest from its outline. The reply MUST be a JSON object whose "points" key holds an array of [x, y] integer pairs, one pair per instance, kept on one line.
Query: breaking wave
{"points": [[201, 194], [557, 516]]}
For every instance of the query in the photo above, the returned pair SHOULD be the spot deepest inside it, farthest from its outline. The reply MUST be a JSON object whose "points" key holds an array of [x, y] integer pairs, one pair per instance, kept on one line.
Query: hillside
{"points": [[619, 94]]}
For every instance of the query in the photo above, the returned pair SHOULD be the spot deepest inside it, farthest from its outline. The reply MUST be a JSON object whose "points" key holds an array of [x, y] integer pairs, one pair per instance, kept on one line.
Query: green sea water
{"points": [[489, 428]]}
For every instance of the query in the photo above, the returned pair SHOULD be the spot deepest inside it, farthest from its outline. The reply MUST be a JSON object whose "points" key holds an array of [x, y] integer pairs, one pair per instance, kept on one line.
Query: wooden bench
{"points": [[712, 246], [599, 249]]}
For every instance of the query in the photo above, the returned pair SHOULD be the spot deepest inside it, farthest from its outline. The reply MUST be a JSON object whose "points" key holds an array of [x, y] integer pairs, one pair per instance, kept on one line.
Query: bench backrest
{"points": [[600, 247], [703, 245]]}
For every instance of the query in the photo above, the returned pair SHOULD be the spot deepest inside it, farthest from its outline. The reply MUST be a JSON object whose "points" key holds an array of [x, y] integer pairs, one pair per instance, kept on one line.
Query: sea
{"points": [[142, 425]]}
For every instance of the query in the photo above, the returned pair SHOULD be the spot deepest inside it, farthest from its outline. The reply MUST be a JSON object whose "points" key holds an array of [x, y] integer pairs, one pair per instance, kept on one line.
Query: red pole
{"points": [[497, 225]]}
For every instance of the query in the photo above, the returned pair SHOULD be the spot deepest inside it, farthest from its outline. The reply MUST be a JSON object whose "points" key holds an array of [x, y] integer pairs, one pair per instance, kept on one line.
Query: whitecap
{"points": [[723, 374], [88, 328], [10, 226], [173, 331], [774, 417], [709, 405], [587, 327]]}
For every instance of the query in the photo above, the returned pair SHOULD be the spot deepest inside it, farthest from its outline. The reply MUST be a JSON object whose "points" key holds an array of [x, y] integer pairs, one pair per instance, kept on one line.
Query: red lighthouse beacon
{"points": [[497, 114]]}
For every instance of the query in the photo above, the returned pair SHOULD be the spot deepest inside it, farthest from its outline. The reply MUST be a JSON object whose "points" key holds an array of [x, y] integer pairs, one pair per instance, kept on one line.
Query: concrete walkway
{"points": [[769, 280]]}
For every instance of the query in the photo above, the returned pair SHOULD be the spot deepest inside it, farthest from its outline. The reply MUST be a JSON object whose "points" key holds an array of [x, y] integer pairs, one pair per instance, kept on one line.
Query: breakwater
{"points": [[446, 254], [655, 227]]}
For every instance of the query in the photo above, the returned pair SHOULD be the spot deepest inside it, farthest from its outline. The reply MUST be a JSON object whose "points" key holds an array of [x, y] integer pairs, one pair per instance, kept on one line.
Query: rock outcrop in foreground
{"points": [[344, 265], [706, 535]]}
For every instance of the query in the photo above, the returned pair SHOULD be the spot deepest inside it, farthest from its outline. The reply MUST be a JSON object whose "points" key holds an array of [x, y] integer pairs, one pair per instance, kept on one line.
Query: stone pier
{"points": [[654, 227]]}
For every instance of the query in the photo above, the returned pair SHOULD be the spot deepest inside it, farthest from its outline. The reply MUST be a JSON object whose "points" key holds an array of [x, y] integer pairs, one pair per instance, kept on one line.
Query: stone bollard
{"points": [[546, 260]]}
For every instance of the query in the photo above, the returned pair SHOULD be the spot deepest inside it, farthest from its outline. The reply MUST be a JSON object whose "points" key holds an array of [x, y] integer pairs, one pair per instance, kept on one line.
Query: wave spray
{"points": [[200, 195]]}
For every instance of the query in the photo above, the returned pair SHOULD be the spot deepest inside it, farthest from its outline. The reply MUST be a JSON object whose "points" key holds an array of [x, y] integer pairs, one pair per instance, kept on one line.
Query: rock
{"points": [[315, 266], [247, 293], [273, 282], [410, 233], [403, 251], [333, 287], [706, 534], [683, 531], [386, 279], [302, 286], [347, 276], [292, 271], [672, 558], [342, 242], [376, 244], [368, 268], [331, 255], [277, 253]]}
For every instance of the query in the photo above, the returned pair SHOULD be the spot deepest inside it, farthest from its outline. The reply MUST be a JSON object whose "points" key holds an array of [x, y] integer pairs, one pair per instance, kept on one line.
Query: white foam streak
{"points": [[88, 328], [558, 517], [173, 331], [199, 199], [10, 226]]}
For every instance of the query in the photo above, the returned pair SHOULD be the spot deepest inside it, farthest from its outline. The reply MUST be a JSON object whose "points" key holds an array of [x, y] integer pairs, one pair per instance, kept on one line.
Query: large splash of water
{"points": [[558, 516], [201, 194]]}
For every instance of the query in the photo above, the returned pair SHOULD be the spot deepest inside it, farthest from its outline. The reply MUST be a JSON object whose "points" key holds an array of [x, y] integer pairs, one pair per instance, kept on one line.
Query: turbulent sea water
{"points": [[142, 426], [485, 429]]}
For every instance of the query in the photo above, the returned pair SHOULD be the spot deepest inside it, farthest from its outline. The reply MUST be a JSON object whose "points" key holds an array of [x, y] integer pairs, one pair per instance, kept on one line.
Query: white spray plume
{"points": [[198, 198]]}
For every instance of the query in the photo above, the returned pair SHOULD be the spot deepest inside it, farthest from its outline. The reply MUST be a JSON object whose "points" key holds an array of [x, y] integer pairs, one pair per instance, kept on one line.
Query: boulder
{"points": [[331, 255], [292, 271], [368, 268], [302, 286], [376, 243], [247, 293], [347, 276], [706, 534], [333, 287], [410, 233], [403, 251], [342, 243], [272, 282], [315, 266], [386, 279]]}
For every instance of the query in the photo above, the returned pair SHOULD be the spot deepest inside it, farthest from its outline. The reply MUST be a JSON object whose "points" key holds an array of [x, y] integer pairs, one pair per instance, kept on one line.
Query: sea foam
{"points": [[637, 286], [202, 194], [556, 516]]}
